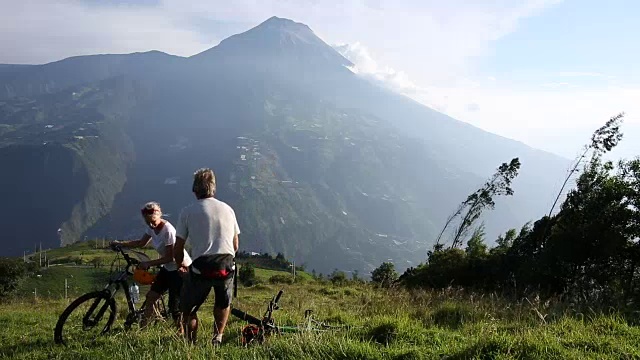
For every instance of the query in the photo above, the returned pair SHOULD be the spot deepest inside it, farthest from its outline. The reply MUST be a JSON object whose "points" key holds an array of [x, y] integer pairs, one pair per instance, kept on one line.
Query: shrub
{"points": [[338, 277], [11, 272], [384, 275], [247, 275]]}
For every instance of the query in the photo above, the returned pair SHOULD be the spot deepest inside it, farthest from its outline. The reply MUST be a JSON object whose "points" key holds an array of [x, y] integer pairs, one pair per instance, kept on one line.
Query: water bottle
{"points": [[134, 291]]}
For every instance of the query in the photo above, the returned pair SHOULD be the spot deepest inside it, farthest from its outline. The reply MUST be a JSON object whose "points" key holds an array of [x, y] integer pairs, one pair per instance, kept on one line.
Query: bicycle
{"points": [[259, 329], [102, 305]]}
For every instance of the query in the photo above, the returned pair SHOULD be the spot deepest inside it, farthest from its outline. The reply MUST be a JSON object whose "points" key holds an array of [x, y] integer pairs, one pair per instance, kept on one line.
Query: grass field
{"points": [[378, 324], [49, 283], [374, 323], [85, 252]]}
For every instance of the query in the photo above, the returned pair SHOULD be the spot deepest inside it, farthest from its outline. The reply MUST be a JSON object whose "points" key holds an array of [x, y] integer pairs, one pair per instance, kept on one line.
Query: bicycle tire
{"points": [[97, 296]]}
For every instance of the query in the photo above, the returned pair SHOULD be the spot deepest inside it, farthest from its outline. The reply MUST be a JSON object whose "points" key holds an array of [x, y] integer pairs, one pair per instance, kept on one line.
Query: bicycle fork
{"points": [[87, 321]]}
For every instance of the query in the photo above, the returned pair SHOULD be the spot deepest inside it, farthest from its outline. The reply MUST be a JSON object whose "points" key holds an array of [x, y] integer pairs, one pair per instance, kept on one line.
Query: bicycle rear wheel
{"points": [[88, 317]]}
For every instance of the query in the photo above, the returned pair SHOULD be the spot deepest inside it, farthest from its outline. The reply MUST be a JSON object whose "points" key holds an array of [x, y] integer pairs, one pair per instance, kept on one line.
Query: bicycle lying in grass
{"points": [[92, 314], [259, 329]]}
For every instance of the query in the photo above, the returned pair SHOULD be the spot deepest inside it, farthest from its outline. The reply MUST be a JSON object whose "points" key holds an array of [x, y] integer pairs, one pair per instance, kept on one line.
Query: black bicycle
{"points": [[92, 314], [259, 329]]}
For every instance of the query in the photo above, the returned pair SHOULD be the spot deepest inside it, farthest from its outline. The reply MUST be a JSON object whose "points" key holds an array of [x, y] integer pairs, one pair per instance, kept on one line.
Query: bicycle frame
{"points": [[121, 280], [260, 328], [101, 301]]}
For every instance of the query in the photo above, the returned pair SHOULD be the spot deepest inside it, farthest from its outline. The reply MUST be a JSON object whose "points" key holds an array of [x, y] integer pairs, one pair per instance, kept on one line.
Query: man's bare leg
{"points": [[191, 325], [221, 315]]}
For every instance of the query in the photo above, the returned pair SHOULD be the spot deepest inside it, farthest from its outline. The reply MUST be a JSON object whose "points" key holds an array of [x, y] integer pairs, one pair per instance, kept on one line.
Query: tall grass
{"points": [[373, 324]]}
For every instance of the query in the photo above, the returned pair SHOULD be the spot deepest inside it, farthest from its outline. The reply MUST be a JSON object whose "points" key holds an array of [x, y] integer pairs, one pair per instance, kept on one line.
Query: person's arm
{"points": [[182, 232], [235, 243], [169, 241], [178, 251], [142, 242], [236, 230], [167, 258]]}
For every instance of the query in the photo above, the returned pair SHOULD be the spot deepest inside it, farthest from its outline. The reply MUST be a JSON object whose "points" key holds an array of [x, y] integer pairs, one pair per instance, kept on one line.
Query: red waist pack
{"points": [[217, 266]]}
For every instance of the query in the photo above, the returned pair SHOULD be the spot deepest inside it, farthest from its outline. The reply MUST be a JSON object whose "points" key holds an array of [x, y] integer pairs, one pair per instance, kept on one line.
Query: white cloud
{"points": [[39, 32], [434, 42], [365, 65], [559, 120], [556, 84], [580, 74], [473, 107], [558, 117]]}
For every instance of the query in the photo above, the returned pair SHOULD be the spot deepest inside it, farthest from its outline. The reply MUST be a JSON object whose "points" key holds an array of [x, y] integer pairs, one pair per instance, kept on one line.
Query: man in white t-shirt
{"points": [[211, 227], [162, 236]]}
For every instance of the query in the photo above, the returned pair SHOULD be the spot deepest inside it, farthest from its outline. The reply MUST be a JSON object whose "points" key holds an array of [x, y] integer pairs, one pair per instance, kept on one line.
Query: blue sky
{"points": [[578, 36], [544, 72]]}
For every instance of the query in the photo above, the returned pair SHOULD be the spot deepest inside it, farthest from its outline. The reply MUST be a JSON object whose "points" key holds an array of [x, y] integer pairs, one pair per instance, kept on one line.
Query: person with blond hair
{"points": [[162, 236], [211, 227]]}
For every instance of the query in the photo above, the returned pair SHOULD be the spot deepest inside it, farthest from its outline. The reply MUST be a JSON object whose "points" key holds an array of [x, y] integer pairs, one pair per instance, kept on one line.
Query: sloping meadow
{"points": [[367, 323]]}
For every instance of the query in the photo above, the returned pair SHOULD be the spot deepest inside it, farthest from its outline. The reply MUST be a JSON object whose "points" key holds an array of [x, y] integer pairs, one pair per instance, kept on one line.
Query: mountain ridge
{"points": [[320, 164], [277, 22]]}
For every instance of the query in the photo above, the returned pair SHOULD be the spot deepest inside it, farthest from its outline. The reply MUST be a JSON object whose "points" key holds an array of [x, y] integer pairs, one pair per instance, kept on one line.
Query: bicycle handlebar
{"points": [[118, 248], [275, 301], [244, 316]]}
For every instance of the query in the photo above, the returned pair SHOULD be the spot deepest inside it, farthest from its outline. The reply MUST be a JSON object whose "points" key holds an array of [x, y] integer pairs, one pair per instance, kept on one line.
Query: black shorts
{"points": [[171, 281], [196, 288]]}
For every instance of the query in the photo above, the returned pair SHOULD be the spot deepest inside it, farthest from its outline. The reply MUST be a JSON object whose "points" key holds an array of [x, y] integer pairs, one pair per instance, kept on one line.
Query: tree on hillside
{"points": [[590, 248], [602, 141], [384, 275], [446, 267], [504, 242], [11, 272], [247, 275], [470, 210], [355, 277], [338, 277], [594, 233], [476, 248], [589, 251], [281, 261]]}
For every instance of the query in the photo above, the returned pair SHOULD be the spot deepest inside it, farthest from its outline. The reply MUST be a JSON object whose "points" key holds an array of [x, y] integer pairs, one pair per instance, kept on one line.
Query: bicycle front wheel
{"points": [[88, 317]]}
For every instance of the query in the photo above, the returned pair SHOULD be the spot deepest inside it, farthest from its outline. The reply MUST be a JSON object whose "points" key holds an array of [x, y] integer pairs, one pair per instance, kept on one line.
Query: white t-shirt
{"points": [[210, 225], [164, 238]]}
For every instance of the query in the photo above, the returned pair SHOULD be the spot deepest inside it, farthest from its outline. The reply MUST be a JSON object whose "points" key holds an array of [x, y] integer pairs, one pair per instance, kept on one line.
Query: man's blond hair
{"points": [[204, 183]]}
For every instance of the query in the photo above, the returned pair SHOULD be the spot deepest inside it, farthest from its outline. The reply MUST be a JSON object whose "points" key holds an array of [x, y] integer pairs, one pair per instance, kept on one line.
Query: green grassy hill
{"points": [[369, 323], [76, 264], [50, 282], [85, 252], [376, 324]]}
